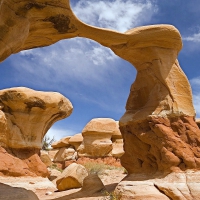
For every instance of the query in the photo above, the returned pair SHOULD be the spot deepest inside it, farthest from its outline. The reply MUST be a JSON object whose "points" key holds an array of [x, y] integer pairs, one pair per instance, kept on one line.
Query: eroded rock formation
{"points": [[159, 130], [97, 138], [25, 117]]}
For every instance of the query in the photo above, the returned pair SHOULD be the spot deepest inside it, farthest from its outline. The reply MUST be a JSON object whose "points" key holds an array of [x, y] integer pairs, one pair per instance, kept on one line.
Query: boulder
{"points": [[97, 138], [64, 142], [8, 193], [25, 117], [117, 148], [64, 154], [92, 184], [71, 177], [76, 140]]}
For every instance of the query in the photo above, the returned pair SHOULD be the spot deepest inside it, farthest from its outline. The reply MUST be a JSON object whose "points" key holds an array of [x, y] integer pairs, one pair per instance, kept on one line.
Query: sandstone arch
{"points": [[158, 127]]}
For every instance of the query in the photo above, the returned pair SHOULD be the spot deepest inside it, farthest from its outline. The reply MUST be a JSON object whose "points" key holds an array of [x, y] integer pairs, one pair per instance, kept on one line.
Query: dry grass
{"points": [[100, 168]]}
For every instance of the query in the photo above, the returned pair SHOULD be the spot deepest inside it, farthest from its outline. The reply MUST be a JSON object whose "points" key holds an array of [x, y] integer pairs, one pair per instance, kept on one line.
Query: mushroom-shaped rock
{"points": [[71, 177], [64, 142], [97, 138], [117, 133], [26, 115], [76, 140]]}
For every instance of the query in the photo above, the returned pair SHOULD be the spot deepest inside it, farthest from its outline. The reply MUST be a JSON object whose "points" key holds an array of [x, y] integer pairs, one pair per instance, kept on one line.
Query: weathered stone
{"points": [[7, 193], [76, 140], [64, 142], [175, 186], [52, 153], [54, 173], [64, 154], [117, 148], [97, 138], [116, 134], [71, 177], [92, 184], [25, 117], [44, 156]]}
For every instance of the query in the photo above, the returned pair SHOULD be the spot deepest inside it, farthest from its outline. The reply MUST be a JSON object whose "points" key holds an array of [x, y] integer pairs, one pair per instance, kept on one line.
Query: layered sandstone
{"points": [[25, 117]]}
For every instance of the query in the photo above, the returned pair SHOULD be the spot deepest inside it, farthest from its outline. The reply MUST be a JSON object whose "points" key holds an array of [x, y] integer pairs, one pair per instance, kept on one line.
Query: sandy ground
{"points": [[46, 190], [110, 179]]}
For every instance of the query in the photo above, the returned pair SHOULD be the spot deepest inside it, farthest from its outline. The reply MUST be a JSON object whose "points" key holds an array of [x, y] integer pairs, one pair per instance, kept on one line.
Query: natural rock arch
{"points": [[159, 131]]}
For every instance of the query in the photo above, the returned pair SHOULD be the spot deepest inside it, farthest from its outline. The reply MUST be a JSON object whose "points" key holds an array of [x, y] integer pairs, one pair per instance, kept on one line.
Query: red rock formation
{"points": [[25, 117]]}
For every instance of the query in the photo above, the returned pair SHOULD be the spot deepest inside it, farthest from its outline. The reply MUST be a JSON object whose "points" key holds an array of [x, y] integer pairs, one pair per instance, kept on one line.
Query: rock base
{"points": [[21, 162], [174, 186]]}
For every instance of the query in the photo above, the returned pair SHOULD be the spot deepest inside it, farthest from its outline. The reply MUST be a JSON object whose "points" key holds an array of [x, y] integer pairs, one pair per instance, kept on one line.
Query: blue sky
{"points": [[92, 77]]}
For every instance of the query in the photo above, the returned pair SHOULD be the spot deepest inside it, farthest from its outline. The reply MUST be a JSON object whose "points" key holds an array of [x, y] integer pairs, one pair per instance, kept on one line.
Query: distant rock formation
{"points": [[97, 138], [25, 117], [100, 138]]}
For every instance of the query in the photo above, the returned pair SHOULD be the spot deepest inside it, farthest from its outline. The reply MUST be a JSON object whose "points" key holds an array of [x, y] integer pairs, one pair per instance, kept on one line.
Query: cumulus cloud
{"points": [[119, 15], [194, 38]]}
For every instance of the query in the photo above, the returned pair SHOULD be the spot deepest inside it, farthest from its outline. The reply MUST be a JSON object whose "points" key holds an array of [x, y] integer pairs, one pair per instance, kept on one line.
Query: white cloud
{"points": [[71, 64], [119, 15], [193, 38]]}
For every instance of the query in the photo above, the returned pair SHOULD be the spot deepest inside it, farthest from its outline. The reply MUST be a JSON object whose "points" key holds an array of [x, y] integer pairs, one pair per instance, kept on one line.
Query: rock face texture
{"points": [[25, 117], [97, 138], [175, 186]]}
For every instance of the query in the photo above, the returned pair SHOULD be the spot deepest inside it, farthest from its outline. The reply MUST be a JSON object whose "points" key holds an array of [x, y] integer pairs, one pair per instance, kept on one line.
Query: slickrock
{"points": [[76, 140], [71, 177], [175, 186], [26, 115], [7, 193], [97, 138]]}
